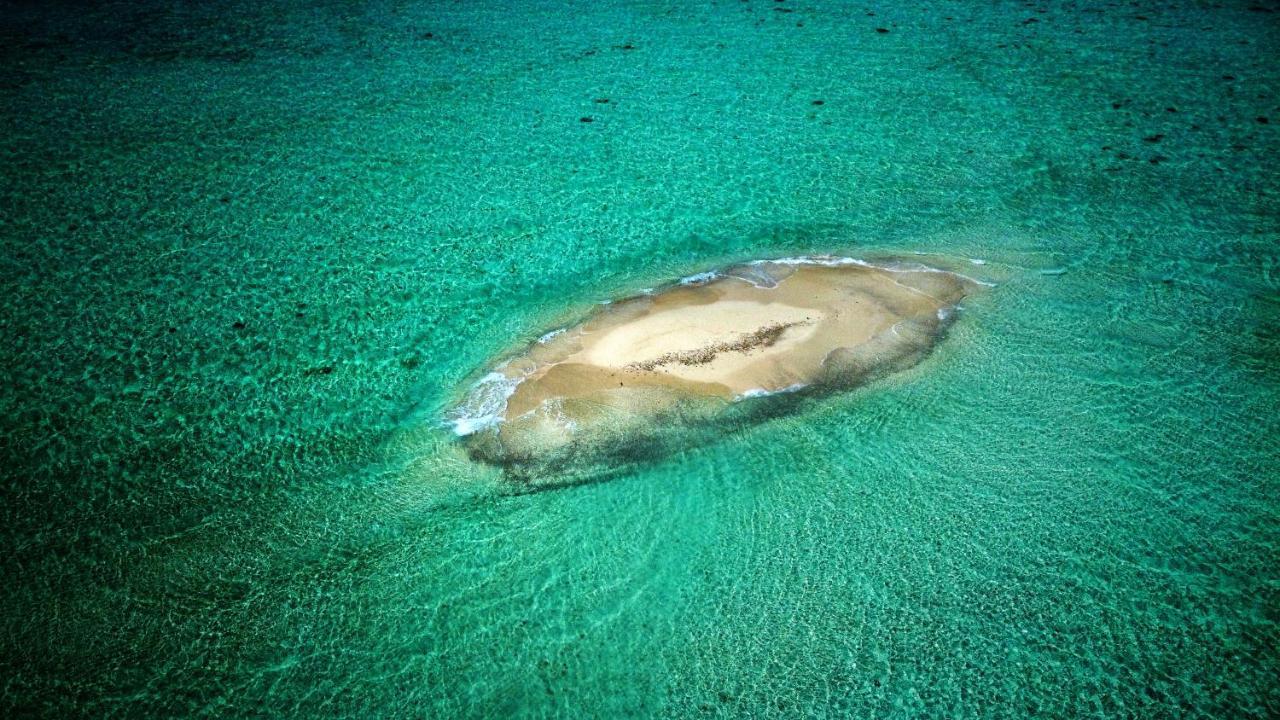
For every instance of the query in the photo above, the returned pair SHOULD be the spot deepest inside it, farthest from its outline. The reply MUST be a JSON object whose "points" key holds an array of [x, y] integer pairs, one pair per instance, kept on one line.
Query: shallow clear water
{"points": [[252, 254]]}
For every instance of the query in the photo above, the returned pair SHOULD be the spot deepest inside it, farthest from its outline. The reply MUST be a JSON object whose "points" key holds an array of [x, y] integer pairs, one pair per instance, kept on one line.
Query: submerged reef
{"points": [[675, 360]]}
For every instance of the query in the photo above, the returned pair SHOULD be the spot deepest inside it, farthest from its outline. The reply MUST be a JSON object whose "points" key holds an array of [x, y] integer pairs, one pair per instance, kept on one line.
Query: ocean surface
{"points": [[254, 251]]}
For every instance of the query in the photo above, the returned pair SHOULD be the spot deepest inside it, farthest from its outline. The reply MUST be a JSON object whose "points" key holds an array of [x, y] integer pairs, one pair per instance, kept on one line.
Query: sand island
{"points": [[685, 352]]}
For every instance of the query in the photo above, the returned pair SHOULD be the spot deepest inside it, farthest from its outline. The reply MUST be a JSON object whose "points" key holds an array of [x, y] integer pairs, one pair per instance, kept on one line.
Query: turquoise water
{"points": [[252, 254]]}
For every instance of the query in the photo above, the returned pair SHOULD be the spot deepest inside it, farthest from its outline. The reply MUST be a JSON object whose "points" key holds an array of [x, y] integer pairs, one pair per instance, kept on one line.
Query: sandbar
{"points": [[740, 333]]}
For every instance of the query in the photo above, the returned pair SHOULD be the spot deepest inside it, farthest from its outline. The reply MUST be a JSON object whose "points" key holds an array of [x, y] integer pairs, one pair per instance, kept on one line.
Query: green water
{"points": [[251, 254]]}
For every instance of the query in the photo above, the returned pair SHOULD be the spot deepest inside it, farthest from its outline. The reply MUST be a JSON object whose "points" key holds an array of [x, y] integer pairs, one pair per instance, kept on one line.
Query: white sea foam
{"points": [[484, 404], [825, 260], [761, 392], [700, 278], [918, 268], [546, 338], [836, 261]]}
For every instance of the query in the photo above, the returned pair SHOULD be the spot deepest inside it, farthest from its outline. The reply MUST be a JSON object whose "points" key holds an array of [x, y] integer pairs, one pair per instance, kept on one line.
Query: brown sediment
{"points": [[763, 337], [752, 329]]}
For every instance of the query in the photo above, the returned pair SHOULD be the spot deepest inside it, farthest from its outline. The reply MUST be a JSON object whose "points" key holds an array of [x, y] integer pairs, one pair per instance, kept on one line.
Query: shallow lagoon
{"points": [[252, 254]]}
